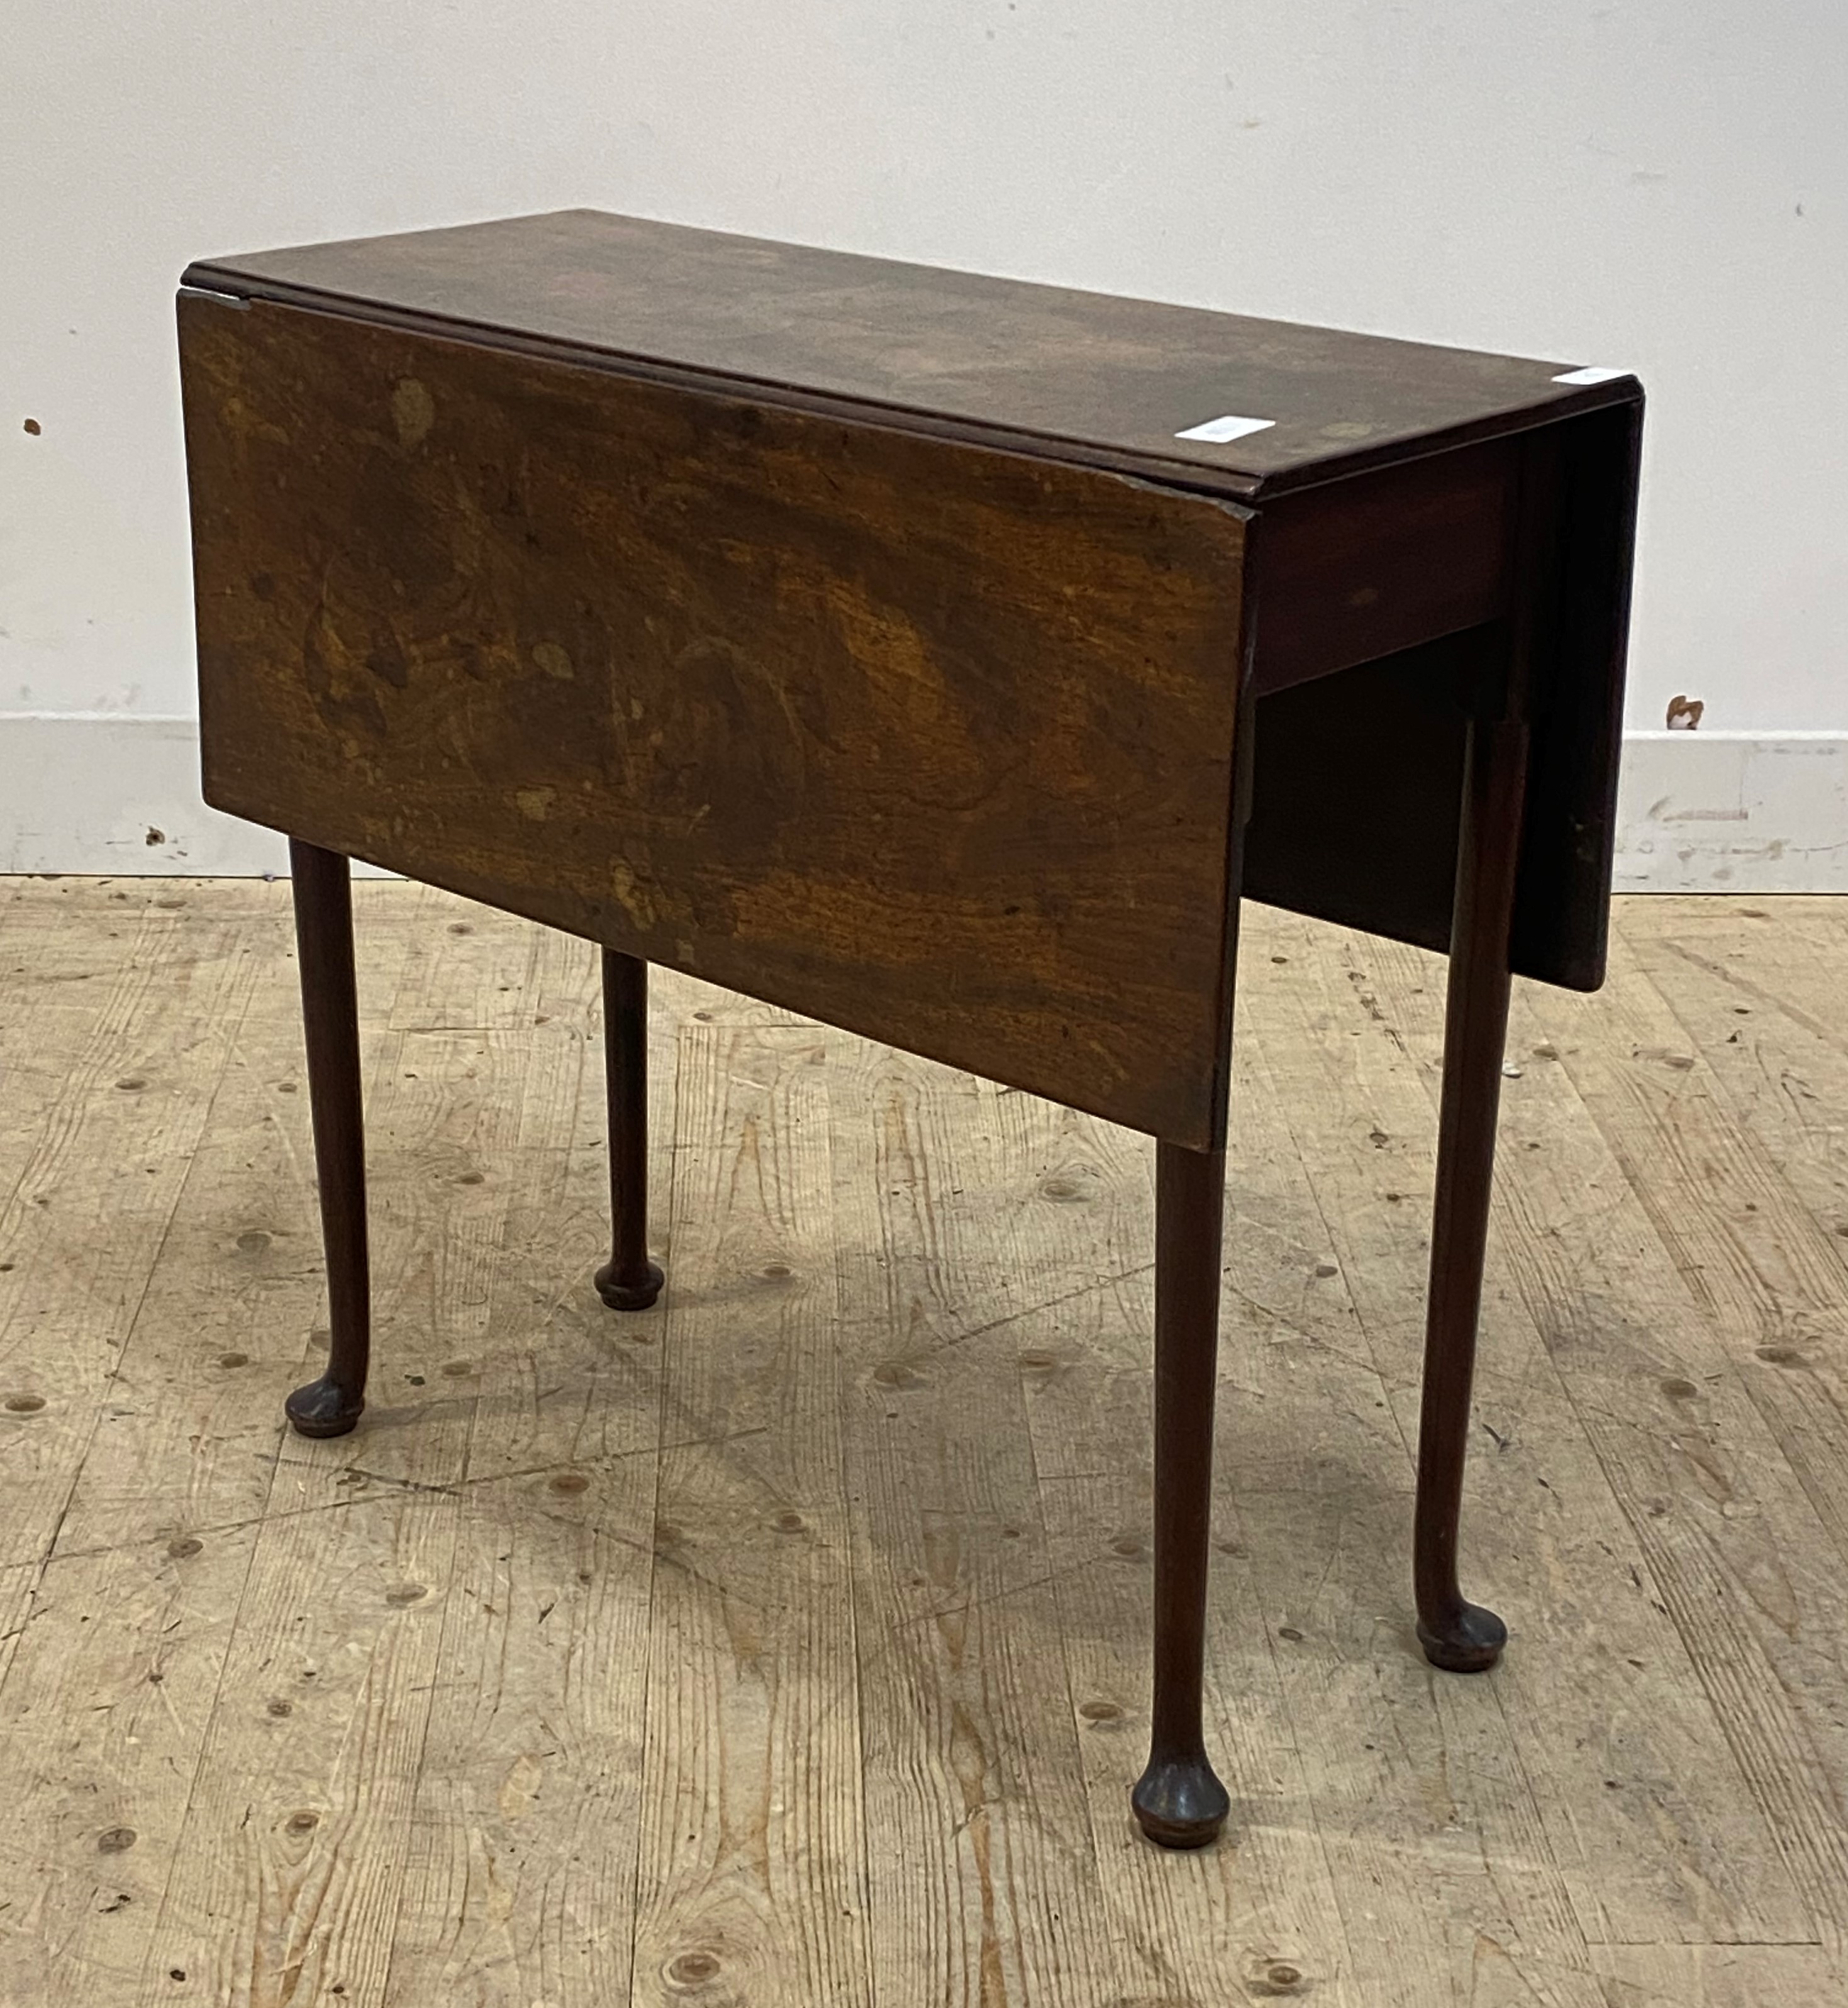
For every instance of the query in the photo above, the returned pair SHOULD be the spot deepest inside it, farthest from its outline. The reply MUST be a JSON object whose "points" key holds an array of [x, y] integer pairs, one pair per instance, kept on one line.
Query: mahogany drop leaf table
{"points": [[942, 656]]}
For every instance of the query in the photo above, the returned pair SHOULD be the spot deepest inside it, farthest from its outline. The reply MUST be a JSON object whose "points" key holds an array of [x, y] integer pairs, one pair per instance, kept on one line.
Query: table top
{"points": [[1042, 369]]}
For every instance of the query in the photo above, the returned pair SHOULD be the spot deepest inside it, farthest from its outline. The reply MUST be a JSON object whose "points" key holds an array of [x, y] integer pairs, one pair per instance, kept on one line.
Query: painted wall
{"points": [[1661, 185]]}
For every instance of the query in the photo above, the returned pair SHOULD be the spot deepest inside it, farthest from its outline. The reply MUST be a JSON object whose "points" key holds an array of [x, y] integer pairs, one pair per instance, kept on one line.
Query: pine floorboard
{"points": [[786, 1644]]}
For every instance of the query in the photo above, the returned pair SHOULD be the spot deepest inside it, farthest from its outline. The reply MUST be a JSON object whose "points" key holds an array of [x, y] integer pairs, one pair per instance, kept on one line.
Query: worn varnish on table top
{"points": [[1036, 368], [859, 635]]}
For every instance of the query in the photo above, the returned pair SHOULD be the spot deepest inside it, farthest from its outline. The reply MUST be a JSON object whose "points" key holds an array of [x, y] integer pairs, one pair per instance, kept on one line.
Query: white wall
{"points": [[1662, 184]]}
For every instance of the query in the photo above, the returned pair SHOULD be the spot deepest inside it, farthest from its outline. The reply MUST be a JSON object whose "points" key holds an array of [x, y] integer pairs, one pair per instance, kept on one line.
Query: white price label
{"points": [[1220, 430]]}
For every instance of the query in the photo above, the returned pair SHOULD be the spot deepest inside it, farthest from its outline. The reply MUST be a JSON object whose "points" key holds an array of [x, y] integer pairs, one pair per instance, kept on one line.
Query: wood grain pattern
{"points": [[1078, 1209], [1333, 1303], [1364, 567], [1637, 1809], [133, 1098], [752, 1876], [1715, 1177], [1718, 1511], [1356, 776], [933, 742], [525, 1827], [339, 1685], [861, 657], [1045, 368], [977, 1828], [1673, 1849]]}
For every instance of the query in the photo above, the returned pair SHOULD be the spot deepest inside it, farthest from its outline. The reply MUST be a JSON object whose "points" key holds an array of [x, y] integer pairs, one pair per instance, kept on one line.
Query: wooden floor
{"points": [[786, 1644]]}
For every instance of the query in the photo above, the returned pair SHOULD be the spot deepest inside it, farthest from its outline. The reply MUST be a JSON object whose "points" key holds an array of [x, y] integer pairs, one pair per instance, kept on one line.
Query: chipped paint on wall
{"points": [[1734, 812]]}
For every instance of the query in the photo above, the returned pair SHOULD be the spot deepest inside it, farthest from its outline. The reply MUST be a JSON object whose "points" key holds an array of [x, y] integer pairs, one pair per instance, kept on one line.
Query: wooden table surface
{"points": [[1041, 369], [779, 615]]}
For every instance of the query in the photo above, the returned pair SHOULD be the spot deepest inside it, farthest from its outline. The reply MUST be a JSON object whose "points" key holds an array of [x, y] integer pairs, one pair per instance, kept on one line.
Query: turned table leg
{"points": [[628, 1282], [1178, 1800], [1456, 1635], [330, 1406]]}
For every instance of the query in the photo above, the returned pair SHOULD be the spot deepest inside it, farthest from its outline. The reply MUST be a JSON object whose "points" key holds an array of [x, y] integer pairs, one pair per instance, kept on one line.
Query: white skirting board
{"points": [[104, 795], [1699, 812], [1734, 812]]}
